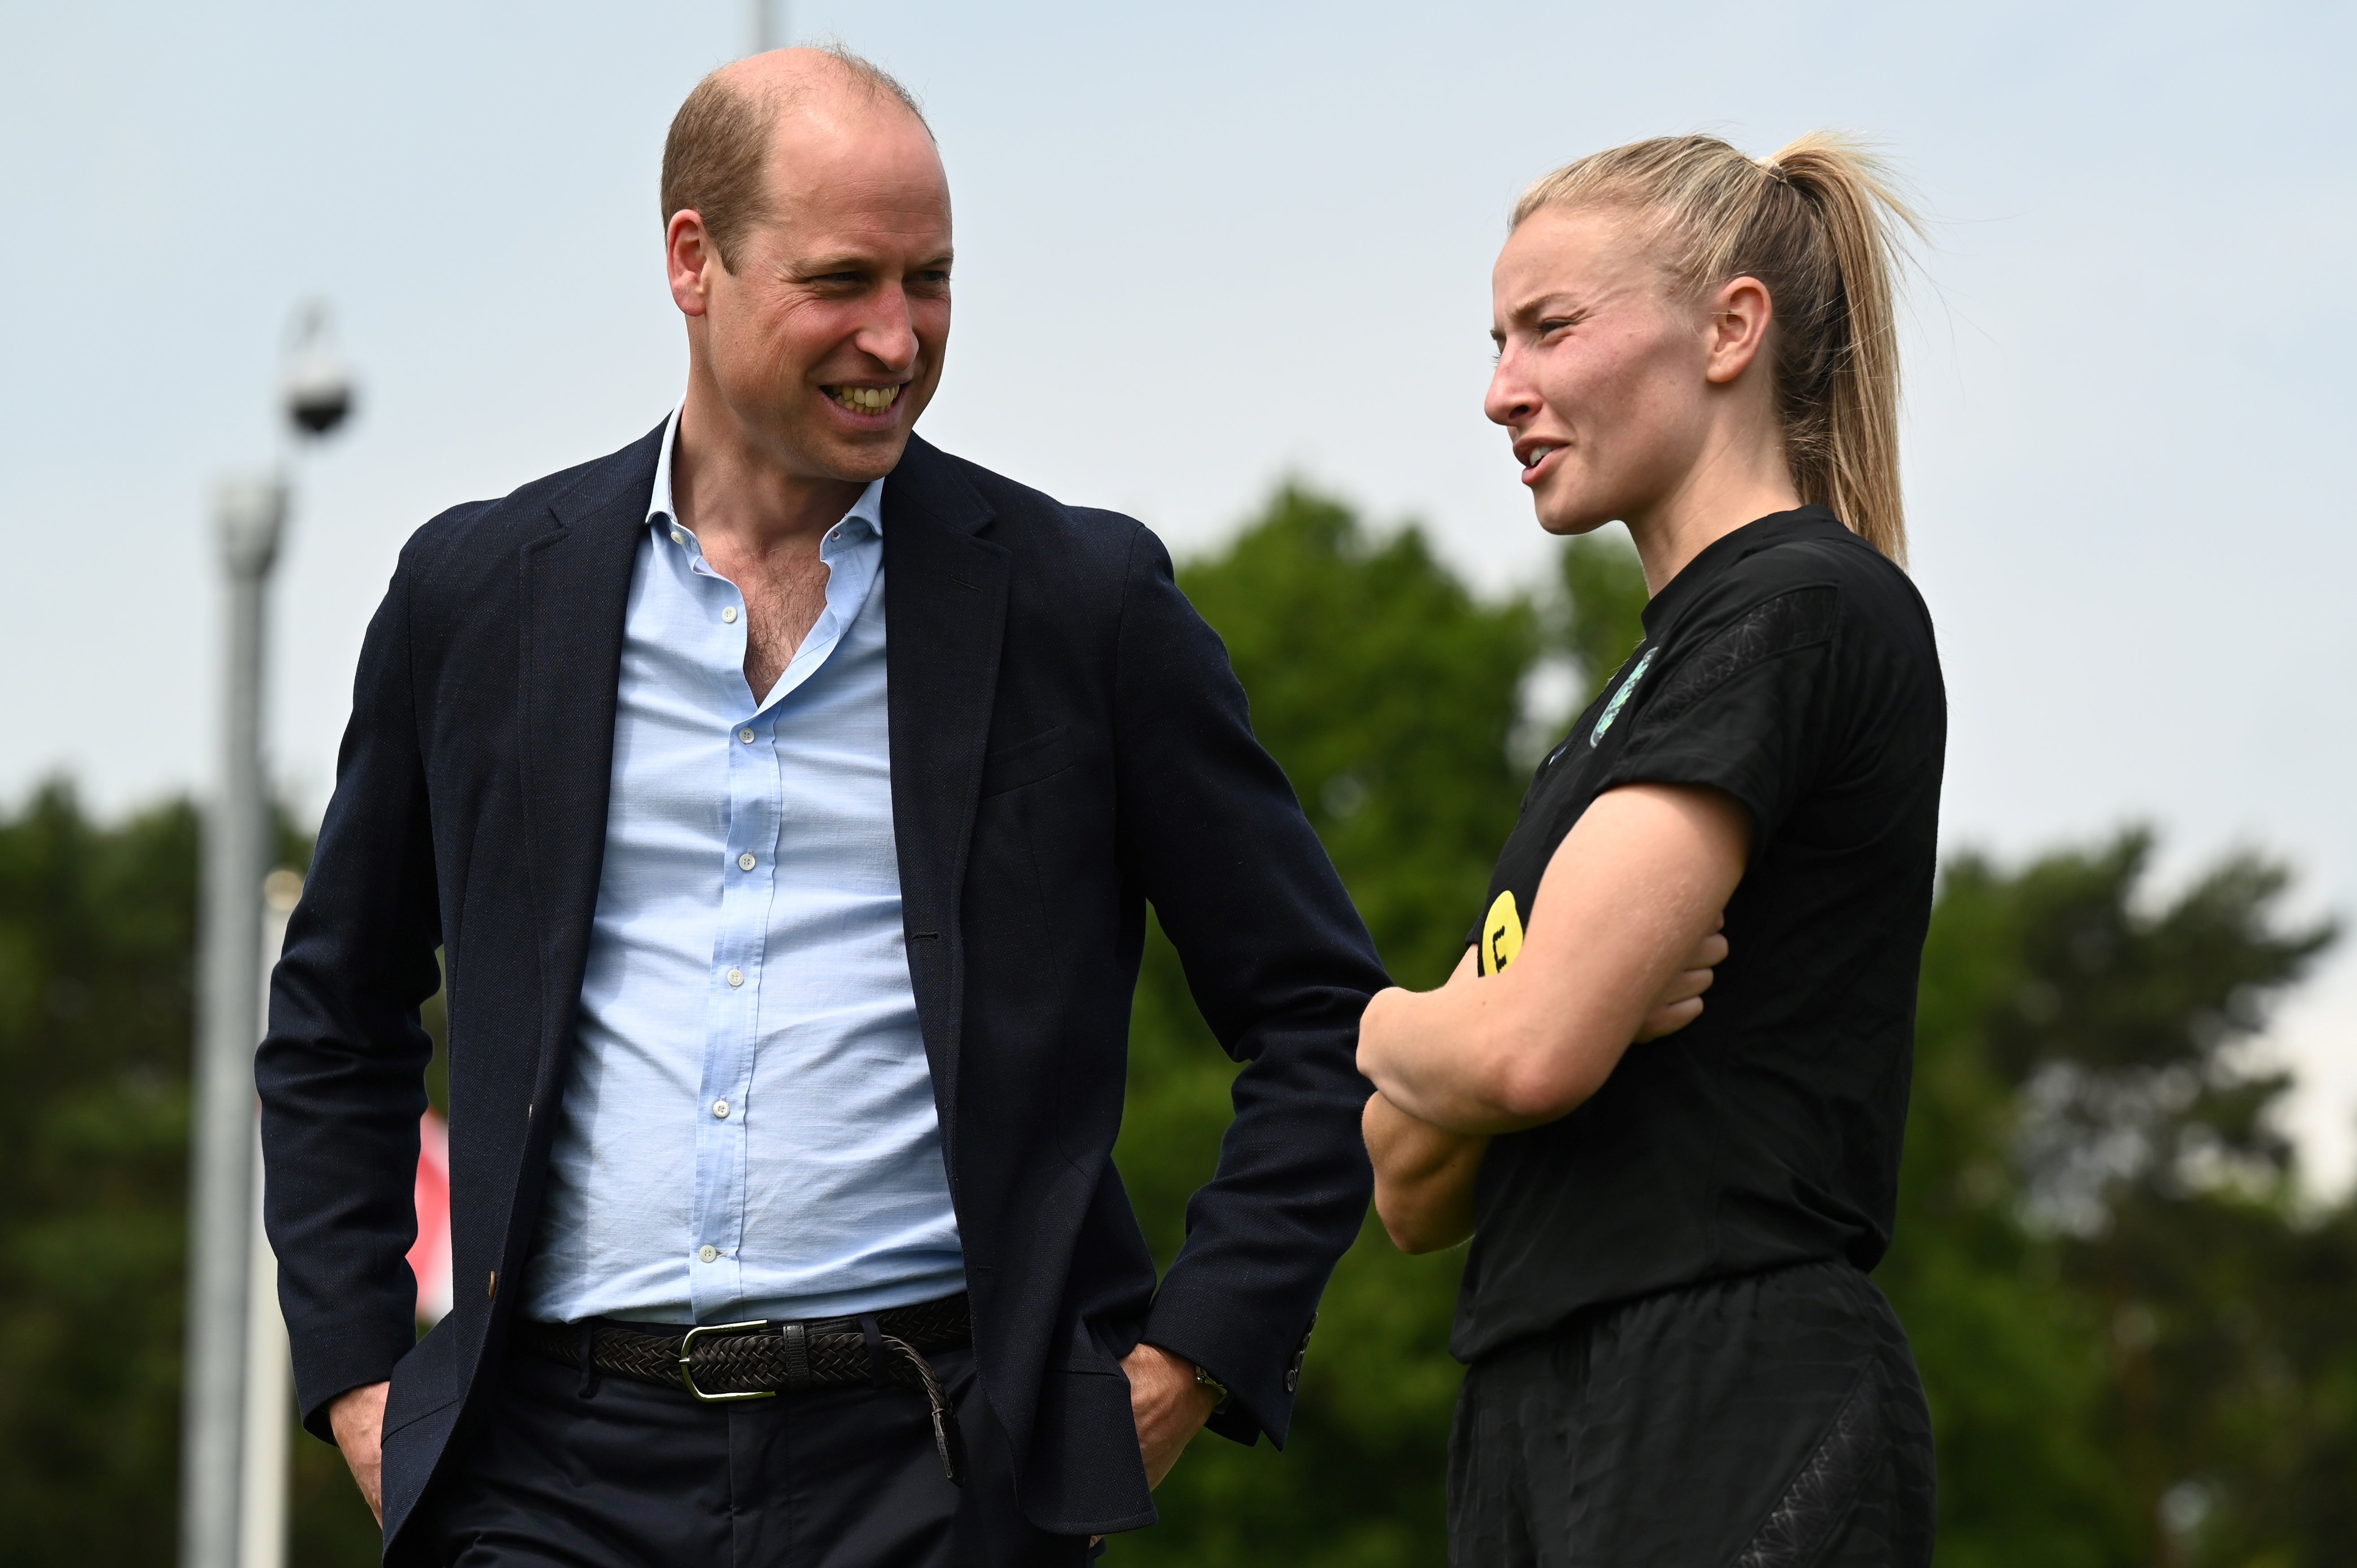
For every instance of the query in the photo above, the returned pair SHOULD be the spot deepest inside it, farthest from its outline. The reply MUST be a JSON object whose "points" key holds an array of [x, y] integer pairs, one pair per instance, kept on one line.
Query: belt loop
{"points": [[588, 1387], [874, 1330], [798, 1367]]}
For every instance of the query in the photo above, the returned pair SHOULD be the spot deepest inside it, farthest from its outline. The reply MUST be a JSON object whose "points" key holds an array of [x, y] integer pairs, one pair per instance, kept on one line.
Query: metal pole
{"points": [[767, 25], [252, 512], [269, 1371]]}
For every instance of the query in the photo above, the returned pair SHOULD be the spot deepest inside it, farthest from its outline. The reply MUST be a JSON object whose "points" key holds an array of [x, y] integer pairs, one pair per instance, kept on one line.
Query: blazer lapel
{"points": [[945, 614], [577, 588]]}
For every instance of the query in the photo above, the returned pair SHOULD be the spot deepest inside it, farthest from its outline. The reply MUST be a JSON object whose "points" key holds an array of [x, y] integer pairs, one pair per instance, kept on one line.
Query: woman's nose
{"points": [[1510, 399]]}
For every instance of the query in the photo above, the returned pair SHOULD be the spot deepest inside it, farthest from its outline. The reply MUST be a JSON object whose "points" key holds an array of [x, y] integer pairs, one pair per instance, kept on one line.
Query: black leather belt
{"points": [[724, 1362]]}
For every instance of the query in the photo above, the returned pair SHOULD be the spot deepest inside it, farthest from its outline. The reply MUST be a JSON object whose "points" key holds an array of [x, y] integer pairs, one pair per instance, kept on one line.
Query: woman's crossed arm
{"points": [[1618, 948]]}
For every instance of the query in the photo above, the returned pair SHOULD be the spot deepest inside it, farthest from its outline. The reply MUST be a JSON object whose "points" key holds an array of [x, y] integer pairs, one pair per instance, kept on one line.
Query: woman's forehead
{"points": [[1584, 252]]}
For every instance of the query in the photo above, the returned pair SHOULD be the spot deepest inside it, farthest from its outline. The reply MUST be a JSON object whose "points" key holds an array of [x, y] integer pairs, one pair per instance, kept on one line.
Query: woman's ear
{"points": [[1739, 313]]}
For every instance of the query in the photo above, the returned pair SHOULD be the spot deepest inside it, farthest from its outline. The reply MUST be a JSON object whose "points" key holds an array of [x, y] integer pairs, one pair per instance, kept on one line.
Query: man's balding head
{"points": [[807, 236], [716, 158]]}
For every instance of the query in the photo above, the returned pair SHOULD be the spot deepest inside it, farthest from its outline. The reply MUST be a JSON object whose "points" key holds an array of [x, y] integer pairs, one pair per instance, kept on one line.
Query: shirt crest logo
{"points": [[1612, 708]]}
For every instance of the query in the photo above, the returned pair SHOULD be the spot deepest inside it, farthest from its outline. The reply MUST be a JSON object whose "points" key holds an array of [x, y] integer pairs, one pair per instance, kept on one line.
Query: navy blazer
{"points": [[1068, 743]]}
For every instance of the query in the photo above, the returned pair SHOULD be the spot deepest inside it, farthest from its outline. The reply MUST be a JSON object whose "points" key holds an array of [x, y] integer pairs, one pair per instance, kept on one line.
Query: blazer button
{"points": [[1301, 1352]]}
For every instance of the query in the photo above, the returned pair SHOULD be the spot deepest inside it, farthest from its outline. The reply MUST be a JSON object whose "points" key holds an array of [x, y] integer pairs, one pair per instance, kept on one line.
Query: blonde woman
{"points": [[1675, 1355]]}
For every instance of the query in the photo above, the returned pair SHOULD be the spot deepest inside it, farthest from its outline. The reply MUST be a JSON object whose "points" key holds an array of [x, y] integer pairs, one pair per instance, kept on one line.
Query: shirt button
{"points": [[678, 537], [745, 862], [745, 736], [729, 615], [720, 1108], [735, 977], [707, 1253]]}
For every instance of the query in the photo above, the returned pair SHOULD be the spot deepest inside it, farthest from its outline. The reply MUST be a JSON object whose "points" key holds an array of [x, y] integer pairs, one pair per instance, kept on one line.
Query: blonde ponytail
{"points": [[1821, 226]]}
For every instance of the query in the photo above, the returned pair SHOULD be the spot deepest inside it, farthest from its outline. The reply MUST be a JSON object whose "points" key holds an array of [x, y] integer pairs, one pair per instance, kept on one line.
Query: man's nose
{"points": [[889, 334]]}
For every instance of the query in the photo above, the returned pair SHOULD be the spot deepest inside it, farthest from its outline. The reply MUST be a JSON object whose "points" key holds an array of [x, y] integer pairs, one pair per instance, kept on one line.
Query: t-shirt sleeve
{"points": [[1744, 710]]}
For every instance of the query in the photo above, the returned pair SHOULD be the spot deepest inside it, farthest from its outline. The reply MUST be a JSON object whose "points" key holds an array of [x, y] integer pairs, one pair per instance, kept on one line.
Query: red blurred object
{"points": [[429, 1260]]}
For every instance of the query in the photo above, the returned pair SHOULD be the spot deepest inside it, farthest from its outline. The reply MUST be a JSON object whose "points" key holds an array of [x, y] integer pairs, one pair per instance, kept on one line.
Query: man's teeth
{"points": [[865, 400]]}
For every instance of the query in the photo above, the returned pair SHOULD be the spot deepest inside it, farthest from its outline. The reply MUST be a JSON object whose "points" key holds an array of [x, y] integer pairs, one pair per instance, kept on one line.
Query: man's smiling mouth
{"points": [[865, 400]]}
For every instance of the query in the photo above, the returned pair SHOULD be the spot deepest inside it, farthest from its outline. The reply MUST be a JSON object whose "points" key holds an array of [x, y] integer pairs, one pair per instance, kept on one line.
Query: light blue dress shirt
{"points": [[747, 1128]]}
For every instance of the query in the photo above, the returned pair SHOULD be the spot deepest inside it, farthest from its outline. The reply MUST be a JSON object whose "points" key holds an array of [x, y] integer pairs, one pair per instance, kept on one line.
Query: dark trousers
{"points": [[626, 1474], [1774, 1420]]}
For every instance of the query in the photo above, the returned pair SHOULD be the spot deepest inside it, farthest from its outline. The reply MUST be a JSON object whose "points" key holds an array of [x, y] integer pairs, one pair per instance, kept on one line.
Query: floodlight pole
{"points": [[253, 515], [223, 1175], [269, 1417], [766, 28]]}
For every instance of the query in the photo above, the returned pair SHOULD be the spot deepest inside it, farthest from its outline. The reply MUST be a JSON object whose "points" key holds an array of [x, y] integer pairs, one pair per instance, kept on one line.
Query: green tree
{"points": [[97, 940], [2135, 1346], [1387, 691], [2137, 1342], [2121, 1316], [95, 935]]}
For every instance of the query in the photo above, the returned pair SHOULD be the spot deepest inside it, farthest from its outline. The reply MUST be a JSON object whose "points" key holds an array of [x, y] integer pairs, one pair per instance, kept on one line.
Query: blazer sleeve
{"points": [[341, 1071], [1281, 967]]}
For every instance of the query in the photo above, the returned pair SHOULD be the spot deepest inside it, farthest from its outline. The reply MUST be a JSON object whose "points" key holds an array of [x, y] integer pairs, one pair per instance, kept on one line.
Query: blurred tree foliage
{"points": [[97, 929], [2138, 1345]]}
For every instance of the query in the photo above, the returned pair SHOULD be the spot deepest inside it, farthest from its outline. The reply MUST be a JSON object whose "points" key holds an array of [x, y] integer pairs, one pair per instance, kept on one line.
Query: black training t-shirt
{"points": [[1792, 666]]}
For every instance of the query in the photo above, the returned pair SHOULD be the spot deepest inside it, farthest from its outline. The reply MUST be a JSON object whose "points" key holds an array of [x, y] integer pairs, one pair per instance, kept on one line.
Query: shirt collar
{"points": [[1726, 550], [869, 509]]}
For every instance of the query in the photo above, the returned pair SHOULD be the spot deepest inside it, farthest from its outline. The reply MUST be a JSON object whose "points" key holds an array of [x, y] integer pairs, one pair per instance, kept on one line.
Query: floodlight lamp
{"points": [[318, 385]]}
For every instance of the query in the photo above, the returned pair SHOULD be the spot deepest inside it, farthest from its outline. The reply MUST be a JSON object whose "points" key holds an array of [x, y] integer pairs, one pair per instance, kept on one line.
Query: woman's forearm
{"points": [[1633, 889], [1424, 1177], [1467, 1061]]}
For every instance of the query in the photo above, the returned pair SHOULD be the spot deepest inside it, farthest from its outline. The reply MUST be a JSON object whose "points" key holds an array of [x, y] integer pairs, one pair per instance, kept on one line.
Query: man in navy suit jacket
{"points": [[784, 797]]}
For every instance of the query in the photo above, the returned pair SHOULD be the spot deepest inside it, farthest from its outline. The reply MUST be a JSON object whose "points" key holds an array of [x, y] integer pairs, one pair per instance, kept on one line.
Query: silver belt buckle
{"points": [[687, 1367]]}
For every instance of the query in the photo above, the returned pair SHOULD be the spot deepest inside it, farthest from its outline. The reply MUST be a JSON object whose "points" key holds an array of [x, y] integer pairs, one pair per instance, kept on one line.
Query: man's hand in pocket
{"points": [[358, 1420]]}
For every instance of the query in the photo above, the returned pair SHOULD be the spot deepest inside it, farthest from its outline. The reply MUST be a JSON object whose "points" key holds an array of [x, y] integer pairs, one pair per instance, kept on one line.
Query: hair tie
{"points": [[1776, 172]]}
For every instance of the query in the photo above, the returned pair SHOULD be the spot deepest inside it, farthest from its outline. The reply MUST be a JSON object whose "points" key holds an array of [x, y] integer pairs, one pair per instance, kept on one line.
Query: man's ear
{"points": [[691, 258], [1739, 314]]}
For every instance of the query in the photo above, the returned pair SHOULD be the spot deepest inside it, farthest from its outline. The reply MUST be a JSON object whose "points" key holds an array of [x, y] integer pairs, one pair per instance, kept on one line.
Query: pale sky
{"points": [[1201, 247]]}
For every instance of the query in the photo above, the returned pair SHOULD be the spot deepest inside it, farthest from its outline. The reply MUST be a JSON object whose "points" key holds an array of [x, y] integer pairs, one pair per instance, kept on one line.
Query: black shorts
{"points": [[1773, 1420]]}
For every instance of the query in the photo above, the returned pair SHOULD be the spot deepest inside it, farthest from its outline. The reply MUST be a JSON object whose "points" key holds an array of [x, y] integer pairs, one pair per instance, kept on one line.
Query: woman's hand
{"points": [[1424, 1175], [1680, 1003], [1632, 892]]}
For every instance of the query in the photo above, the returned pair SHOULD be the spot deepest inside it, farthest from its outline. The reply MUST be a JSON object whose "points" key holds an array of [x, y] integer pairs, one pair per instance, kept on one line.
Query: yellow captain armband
{"points": [[1501, 935]]}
